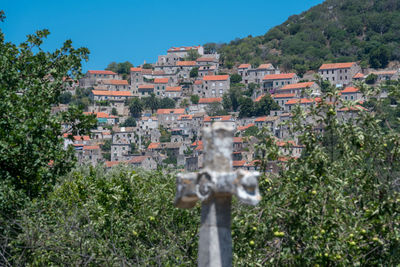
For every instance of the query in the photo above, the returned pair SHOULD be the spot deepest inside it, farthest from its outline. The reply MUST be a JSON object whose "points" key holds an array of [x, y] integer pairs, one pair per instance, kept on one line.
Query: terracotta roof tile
{"points": [[112, 93], [116, 82], [297, 85], [218, 118], [330, 66], [281, 76], [206, 59], [146, 86], [358, 76], [138, 69], [107, 72], [264, 66], [238, 163], [283, 95], [170, 111], [349, 90], [244, 66], [91, 147], [243, 128], [173, 89], [198, 82], [161, 80], [210, 100], [215, 77], [153, 145], [186, 63], [302, 101], [258, 99]]}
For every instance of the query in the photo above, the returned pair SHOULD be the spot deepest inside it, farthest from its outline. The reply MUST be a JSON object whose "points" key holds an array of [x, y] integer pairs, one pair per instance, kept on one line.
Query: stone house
{"points": [[207, 70], [145, 90], [271, 122], [204, 103], [104, 118], [144, 162], [93, 77], [340, 74], [160, 84], [281, 99], [168, 118], [228, 119], [207, 61], [256, 75], [303, 102], [386, 75], [184, 68], [122, 140], [99, 95], [271, 82], [243, 71], [215, 85], [175, 54], [173, 92], [351, 93], [300, 89], [88, 154], [115, 85]]}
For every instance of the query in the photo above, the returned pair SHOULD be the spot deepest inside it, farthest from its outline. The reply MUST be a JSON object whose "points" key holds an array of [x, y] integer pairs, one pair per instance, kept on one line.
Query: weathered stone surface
{"points": [[214, 186]]}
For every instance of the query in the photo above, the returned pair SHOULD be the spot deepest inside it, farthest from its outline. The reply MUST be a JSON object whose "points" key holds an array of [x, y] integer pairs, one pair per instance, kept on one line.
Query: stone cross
{"points": [[214, 186]]}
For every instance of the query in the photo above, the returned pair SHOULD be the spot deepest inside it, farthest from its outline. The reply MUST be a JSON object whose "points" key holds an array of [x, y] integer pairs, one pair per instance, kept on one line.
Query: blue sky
{"points": [[138, 31]]}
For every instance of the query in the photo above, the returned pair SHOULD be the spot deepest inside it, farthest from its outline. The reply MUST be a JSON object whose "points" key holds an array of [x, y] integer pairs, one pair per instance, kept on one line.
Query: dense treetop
{"points": [[334, 31]]}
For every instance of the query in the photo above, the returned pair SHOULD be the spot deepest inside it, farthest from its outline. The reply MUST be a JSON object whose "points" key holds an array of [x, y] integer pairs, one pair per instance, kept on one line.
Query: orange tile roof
{"points": [[284, 143], [358, 76], [253, 163], [385, 72], [109, 164], [100, 114], [336, 66], [161, 80], [302, 101], [297, 85], [238, 163], [173, 89], [215, 77], [78, 137], [186, 63], [264, 66], [355, 108], [258, 99], [244, 66], [153, 145], [183, 48], [116, 82], [265, 119], [198, 82], [237, 139], [91, 147], [242, 128], [349, 90], [138, 159], [170, 111], [199, 147], [146, 86], [218, 118], [107, 72], [283, 95], [197, 143], [279, 76], [206, 59], [112, 93], [136, 69], [210, 100], [147, 71], [185, 117]]}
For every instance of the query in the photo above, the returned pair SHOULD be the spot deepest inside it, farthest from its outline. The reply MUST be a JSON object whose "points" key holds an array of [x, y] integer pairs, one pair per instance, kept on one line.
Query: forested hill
{"points": [[334, 31]]}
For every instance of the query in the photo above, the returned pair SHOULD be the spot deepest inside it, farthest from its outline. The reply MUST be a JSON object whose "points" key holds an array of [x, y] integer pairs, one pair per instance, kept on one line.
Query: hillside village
{"points": [[197, 84]]}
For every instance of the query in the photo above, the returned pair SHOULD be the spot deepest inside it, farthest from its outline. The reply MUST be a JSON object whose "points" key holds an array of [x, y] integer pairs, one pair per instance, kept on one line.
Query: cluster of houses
{"points": [[172, 137]]}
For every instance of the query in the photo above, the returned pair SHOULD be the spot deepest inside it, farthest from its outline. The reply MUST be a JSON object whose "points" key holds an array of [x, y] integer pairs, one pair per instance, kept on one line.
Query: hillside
{"points": [[334, 31]]}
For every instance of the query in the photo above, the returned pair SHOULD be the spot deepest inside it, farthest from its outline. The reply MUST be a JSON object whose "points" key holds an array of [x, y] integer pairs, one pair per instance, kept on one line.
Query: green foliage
{"points": [[31, 143], [151, 102], [123, 68], [192, 55], [165, 135], [167, 102], [335, 205], [251, 131], [265, 105], [194, 99], [136, 107], [215, 109], [106, 147], [346, 30], [65, 98], [114, 112], [100, 218], [371, 78], [194, 72], [129, 122], [235, 78], [147, 66], [246, 107]]}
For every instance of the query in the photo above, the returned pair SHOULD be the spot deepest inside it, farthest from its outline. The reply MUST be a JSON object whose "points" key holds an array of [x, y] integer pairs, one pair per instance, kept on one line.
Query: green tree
{"points": [[151, 102], [106, 146], [136, 107], [165, 135], [192, 55], [129, 122], [147, 66], [371, 78], [31, 144], [167, 103], [194, 73], [379, 57], [114, 112], [246, 107], [230, 100], [265, 105], [65, 98], [123, 68], [235, 78], [194, 99]]}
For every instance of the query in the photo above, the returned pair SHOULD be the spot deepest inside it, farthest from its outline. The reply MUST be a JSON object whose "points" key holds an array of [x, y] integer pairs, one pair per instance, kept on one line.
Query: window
{"points": [[332, 71], [345, 71], [220, 91], [340, 71], [351, 97], [340, 77], [283, 83], [220, 84], [345, 77], [213, 84]]}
